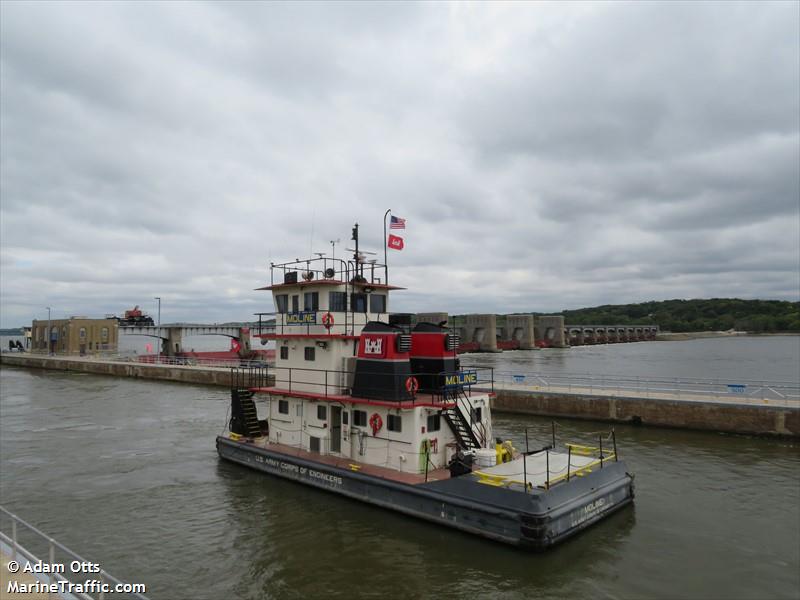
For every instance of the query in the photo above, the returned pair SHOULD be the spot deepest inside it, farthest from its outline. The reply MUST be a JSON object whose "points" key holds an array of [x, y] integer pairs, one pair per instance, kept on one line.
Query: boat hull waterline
{"points": [[534, 521]]}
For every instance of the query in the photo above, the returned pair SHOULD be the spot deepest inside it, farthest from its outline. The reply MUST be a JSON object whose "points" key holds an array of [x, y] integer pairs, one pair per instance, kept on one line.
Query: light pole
{"points": [[47, 336], [159, 327]]}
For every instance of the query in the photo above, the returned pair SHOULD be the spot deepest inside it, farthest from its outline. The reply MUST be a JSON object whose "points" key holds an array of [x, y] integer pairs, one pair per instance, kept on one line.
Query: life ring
{"points": [[327, 320], [376, 423], [412, 385]]}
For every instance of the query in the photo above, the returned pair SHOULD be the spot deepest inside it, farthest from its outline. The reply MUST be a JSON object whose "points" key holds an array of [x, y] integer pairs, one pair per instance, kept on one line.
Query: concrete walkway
{"points": [[201, 374], [652, 394]]}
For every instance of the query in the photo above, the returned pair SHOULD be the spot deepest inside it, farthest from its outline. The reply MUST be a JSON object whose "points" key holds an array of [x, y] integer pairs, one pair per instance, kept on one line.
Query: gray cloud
{"points": [[546, 156]]}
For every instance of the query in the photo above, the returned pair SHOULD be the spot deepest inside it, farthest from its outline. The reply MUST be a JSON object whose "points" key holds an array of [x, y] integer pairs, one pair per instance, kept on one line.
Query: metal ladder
{"points": [[462, 429]]}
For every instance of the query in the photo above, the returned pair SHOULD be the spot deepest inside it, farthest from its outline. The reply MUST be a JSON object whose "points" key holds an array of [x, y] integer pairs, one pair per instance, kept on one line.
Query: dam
{"points": [[494, 333]]}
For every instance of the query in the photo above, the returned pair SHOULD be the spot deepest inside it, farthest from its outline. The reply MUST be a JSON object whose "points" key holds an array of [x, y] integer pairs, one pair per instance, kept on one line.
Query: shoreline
{"points": [[696, 335], [668, 336]]}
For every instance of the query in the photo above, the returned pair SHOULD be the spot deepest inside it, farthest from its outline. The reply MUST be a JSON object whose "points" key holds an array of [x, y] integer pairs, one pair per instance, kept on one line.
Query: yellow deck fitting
{"points": [[489, 479]]}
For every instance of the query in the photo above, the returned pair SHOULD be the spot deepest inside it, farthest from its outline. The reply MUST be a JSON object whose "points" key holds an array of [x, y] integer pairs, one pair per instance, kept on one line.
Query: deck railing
{"points": [[332, 382], [735, 389], [349, 323], [58, 554], [199, 361], [176, 361], [598, 457]]}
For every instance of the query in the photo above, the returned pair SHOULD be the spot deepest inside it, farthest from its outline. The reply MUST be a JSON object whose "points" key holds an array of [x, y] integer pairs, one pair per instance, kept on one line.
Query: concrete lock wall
{"points": [[550, 329], [711, 416], [183, 374], [761, 420], [481, 329], [520, 328]]}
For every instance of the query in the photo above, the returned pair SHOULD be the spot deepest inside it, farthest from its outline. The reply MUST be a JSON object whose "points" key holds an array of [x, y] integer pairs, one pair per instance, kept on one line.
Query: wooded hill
{"points": [[715, 314]]}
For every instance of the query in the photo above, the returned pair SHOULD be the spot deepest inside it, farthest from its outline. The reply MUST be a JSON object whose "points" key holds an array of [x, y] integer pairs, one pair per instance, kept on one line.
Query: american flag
{"points": [[397, 223]]}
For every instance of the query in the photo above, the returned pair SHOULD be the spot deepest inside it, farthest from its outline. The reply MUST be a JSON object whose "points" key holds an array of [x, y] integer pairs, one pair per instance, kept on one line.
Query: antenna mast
{"points": [[355, 253], [385, 255]]}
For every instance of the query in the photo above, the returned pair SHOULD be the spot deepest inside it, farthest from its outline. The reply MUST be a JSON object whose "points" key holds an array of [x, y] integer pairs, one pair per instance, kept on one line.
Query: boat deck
{"points": [[350, 464], [539, 469], [534, 472]]}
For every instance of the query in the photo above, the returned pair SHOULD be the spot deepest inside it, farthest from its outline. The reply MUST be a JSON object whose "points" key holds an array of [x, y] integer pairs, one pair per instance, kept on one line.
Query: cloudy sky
{"points": [[545, 156]]}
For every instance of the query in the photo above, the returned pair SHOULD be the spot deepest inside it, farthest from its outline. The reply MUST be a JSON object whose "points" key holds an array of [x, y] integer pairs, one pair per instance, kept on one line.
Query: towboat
{"points": [[365, 403]]}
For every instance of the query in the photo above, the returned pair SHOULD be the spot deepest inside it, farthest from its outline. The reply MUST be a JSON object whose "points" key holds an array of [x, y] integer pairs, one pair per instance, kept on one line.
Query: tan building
{"points": [[76, 335]]}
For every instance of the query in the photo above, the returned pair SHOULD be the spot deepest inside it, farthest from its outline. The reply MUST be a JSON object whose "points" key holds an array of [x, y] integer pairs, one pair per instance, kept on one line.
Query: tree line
{"points": [[715, 314]]}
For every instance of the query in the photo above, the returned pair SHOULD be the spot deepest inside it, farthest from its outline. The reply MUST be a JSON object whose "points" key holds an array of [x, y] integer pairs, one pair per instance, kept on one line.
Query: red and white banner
{"points": [[395, 242]]}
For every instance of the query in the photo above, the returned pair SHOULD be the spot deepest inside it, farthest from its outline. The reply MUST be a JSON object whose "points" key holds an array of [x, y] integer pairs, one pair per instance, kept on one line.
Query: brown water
{"points": [[769, 358], [125, 472]]}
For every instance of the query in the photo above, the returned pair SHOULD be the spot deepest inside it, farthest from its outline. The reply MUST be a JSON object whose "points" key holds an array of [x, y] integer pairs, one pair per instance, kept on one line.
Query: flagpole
{"points": [[385, 253]]}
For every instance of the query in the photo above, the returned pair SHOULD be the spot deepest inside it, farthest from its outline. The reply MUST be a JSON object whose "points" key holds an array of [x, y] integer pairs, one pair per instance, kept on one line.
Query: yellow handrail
{"points": [[583, 450]]}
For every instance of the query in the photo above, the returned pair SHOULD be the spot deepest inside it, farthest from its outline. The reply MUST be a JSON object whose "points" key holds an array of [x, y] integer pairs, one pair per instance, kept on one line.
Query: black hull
{"points": [[534, 521]]}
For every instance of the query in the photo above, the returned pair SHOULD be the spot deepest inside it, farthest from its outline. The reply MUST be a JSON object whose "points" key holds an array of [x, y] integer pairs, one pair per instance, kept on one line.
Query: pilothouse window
{"points": [[281, 303], [377, 303], [358, 302], [337, 301], [311, 301]]}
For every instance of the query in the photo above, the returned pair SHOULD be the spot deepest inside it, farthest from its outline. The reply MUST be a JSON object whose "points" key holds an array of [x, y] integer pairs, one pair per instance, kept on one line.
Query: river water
{"points": [[773, 358], [125, 472]]}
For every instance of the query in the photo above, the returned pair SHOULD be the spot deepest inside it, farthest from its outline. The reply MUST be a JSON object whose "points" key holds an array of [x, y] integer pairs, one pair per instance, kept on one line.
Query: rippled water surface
{"points": [[125, 472]]}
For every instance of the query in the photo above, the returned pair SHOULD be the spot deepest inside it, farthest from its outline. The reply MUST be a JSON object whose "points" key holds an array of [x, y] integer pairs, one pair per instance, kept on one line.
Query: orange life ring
{"points": [[376, 423], [412, 385], [327, 320]]}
